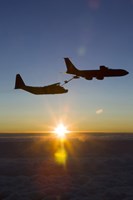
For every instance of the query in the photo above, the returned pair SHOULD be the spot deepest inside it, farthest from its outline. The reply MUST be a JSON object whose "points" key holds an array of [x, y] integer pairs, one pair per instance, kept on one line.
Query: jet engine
{"points": [[100, 77], [89, 78]]}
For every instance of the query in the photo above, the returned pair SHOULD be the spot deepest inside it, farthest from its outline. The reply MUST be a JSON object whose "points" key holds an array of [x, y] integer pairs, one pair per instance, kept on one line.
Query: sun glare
{"points": [[61, 131]]}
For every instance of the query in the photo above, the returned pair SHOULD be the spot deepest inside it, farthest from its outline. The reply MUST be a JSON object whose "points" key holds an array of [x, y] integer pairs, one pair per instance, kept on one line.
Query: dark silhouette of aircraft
{"points": [[49, 89], [90, 74]]}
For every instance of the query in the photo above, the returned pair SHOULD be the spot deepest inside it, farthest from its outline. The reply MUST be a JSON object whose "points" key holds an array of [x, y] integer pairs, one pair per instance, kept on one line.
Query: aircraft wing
{"points": [[55, 84]]}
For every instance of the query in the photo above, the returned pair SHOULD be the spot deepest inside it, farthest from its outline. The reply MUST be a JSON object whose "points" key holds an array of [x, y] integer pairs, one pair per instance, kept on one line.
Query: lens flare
{"points": [[61, 131], [61, 153], [61, 156]]}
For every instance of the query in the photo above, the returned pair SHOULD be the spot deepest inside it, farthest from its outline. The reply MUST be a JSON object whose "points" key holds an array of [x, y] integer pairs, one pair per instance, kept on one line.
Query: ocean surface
{"points": [[84, 166]]}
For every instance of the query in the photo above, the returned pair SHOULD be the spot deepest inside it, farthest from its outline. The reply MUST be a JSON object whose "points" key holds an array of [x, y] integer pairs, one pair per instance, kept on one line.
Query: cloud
{"points": [[99, 111], [97, 169]]}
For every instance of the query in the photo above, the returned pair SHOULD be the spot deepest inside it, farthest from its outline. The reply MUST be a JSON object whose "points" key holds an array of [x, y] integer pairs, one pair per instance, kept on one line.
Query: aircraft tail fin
{"points": [[71, 69], [19, 83]]}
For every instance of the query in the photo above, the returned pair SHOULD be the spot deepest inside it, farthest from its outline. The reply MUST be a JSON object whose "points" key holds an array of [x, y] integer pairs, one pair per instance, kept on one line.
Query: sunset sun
{"points": [[61, 131]]}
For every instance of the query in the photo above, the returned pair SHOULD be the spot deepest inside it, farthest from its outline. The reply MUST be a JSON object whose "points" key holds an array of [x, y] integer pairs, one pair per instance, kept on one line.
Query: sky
{"points": [[35, 36]]}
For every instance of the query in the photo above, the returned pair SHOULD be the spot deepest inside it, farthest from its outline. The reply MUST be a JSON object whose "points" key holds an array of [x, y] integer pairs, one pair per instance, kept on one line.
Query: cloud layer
{"points": [[96, 169]]}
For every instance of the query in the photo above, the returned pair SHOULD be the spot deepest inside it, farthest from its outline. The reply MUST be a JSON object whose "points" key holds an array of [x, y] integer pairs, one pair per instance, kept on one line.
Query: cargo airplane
{"points": [[49, 89], [90, 74]]}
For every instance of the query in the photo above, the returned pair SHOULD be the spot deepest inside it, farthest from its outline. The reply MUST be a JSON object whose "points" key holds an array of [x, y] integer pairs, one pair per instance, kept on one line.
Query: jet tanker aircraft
{"points": [[49, 89], [90, 74]]}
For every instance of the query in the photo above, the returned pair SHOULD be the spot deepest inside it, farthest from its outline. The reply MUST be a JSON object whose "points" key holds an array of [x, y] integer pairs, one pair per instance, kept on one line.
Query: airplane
{"points": [[90, 74], [49, 89]]}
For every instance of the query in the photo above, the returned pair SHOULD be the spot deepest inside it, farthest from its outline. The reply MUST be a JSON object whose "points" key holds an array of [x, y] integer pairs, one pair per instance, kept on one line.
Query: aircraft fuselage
{"points": [[100, 74], [44, 90], [49, 89]]}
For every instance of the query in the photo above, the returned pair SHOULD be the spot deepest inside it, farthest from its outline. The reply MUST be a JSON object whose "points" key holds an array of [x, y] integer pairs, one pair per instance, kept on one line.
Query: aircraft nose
{"points": [[126, 72]]}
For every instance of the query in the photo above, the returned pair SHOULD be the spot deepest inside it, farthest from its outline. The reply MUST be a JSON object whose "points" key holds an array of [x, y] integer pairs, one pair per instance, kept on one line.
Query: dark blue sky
{"points": [[35, 36]]}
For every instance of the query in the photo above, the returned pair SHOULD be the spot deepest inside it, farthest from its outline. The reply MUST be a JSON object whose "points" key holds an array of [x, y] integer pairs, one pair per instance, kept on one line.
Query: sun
{"points": [[61, 131]]}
